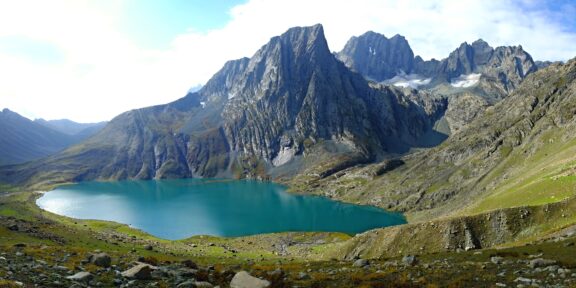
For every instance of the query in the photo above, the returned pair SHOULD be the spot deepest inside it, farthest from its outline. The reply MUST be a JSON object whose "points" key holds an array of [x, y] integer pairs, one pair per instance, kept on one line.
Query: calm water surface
{"points": [[176, 209]]}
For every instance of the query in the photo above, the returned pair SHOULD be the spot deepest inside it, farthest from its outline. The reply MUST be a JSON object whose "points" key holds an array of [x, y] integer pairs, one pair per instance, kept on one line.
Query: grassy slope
{"points": [[547, 176]]}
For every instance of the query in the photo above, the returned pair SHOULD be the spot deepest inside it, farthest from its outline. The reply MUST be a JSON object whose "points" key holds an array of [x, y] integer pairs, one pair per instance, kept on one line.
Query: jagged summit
{"points": [[377, 57], [381, 59]]}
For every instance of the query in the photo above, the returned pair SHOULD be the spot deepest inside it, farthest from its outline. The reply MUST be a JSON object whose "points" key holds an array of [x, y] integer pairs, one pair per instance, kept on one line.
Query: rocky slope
{"points": [[253, 117]]}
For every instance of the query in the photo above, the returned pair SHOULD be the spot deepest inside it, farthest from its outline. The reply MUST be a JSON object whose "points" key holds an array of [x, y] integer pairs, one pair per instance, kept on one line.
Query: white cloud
{"points": [[104, 73]]}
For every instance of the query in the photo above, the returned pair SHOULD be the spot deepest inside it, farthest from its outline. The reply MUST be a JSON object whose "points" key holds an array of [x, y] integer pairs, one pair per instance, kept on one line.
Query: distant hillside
{"points": [[72, 128], [23, 140]]}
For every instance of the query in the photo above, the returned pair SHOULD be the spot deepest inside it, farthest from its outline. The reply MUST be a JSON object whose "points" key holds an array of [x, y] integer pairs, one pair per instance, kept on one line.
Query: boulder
{"points": [[244, 280], [81, 276], [141, 271], [100, 259], [189, 264], [195, 284], [539, 262], [496, 260], [410, 260], [361, 263]]}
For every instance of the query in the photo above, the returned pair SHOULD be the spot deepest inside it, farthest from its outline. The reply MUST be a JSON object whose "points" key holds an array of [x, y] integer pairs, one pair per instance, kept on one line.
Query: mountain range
{"points": [[25, 140], [295, 106]]}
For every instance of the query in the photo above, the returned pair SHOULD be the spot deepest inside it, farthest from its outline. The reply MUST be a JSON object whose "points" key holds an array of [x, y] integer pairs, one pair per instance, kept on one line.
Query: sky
{"points": [[90, 60]]}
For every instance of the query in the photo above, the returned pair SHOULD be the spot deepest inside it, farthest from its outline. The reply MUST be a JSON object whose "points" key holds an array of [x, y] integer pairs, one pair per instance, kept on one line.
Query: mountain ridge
{"points": [[24, 140], [379, 58]]}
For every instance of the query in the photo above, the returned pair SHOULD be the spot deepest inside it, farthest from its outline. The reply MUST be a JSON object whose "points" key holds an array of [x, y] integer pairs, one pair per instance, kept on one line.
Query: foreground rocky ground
{"points": [[39, 249], [539, 265]]}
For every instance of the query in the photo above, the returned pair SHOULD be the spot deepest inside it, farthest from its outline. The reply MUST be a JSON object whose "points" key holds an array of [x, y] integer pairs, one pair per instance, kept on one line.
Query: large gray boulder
{"points": [[81, 276], [141, 271], [244, 280], [100, 259]]}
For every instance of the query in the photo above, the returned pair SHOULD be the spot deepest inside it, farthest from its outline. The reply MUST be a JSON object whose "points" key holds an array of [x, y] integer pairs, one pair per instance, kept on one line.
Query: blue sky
{"points": [[154, 23], [90, 60]]}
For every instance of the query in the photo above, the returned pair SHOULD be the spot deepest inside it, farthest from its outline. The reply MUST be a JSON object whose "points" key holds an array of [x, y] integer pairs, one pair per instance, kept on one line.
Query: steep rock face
{"points": [[377, 57], [253, 115], [294, 89]]}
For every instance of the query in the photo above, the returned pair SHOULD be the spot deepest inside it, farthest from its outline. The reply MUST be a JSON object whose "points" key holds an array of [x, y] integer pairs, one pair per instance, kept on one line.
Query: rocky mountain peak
{"points": [[377, 57]]}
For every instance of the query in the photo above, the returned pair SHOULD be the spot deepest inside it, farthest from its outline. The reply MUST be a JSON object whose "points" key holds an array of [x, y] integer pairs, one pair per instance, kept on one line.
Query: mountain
{"points": [[498, 70], [82, 130], [377, 57], [521, 151], [257, 117], [24, 140]]}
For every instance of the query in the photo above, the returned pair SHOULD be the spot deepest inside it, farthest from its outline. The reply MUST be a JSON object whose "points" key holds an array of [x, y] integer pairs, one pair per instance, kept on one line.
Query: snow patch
{"points": [[231, 95], [408, 80], [203, 104], [464, 81], [371, 50]]}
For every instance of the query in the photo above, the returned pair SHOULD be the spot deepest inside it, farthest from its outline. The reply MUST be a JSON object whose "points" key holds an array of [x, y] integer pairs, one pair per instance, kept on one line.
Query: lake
{"points": [[177, 209]]}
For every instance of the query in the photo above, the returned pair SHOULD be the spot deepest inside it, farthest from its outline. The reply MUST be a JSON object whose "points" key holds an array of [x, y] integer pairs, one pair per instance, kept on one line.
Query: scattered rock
{"points": [[361, 263], [539, 262], [523, 280], [141, 271], [100, 259], [194, 284], [410, 260], [244, 280], [148, 247], [496, 260], [81, 276], [203, 284], [303, 276]]}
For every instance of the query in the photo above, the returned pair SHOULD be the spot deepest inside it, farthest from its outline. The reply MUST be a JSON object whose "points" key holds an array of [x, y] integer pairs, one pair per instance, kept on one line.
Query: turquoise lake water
{"points": [[177, 209]]}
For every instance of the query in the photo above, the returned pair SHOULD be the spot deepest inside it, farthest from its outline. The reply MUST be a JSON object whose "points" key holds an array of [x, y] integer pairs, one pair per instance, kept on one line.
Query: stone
{"points": [[101, 259], [195, 284], [148, 247], [361, 263], [244, 280], [410, 260], [81, 276], [141, 271], [303, 276], [523, 280], [203, 284], [539, 262], [189, 264], [496, 260]]}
